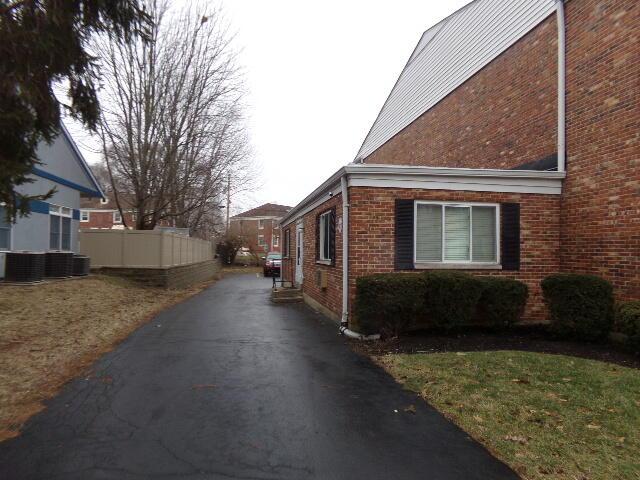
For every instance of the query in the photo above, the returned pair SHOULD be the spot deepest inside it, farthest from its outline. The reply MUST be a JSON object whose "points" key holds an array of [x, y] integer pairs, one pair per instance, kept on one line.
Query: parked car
{"points": [[272, 264]]}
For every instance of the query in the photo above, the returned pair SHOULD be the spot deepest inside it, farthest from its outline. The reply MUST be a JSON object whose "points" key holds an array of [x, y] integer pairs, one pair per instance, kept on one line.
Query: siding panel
{"points": [[450, 53]]}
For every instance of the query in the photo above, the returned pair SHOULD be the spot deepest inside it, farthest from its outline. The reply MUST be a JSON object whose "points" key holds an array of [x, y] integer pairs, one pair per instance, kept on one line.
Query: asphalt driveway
{"points": [[229, 386]]}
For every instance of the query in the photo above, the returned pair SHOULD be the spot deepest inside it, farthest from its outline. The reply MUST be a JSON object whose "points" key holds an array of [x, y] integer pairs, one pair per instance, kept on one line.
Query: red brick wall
{"points": [[505, 116], [502, 117], [331, 297], [248, 228], [104, 219], [601, 203], [372, 231]]}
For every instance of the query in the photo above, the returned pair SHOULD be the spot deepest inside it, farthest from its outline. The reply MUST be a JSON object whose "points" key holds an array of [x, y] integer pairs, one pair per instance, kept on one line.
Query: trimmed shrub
{"points": [[502, 301], [388, 303], [450, 298], [581, 306], [627, 321]]}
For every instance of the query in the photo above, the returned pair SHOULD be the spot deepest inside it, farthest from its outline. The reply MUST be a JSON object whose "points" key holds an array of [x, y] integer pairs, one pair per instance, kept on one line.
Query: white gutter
{"points": [[345, 251], [561, 85]]}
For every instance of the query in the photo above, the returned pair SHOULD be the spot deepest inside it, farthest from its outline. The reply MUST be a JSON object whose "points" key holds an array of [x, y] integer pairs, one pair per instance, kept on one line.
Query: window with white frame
{"points": [[324, 224], [84, 216], [59, 227], [261, 224], [456, 233], [261, 241], [5, 230], [276, 240], [117, 218]]}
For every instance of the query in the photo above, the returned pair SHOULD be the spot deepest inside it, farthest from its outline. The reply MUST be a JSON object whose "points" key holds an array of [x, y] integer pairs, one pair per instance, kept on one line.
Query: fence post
{"points": [[122, 247], [161, 245]]}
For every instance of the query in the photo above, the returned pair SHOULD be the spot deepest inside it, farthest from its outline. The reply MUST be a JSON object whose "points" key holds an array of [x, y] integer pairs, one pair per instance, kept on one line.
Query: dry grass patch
{"points": [[547, 416], [50, 333]]}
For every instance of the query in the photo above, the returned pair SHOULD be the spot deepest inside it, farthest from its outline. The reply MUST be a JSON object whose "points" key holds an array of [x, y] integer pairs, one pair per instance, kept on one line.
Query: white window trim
{"points": [[326, 260], [275, 240], [114, 218], [263, 243], [87, 213], [8, 249], [261, 224], [449, 264], [60, 211]]}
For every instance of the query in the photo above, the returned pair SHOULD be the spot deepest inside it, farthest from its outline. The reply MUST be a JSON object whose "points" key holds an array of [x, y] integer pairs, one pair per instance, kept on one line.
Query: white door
{"points": [[299, 253]]}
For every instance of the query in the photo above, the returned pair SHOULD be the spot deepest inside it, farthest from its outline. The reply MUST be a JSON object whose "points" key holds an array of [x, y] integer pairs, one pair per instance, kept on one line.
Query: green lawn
{"points": [[548, 416]]}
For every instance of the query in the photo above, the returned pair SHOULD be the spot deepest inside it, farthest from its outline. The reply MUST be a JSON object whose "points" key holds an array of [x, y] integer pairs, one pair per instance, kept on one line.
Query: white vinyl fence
{"points": [[142, 248]]}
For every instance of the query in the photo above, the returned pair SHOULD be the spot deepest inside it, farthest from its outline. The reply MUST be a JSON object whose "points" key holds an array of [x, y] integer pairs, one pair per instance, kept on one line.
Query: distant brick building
{"points": [[472, 165], [259, 227], [104, 214]]}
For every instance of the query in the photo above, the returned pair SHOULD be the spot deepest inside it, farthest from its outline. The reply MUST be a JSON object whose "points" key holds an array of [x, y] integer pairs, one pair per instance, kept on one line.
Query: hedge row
{"points": [[627, 321], [581, 307], [395, 302]]}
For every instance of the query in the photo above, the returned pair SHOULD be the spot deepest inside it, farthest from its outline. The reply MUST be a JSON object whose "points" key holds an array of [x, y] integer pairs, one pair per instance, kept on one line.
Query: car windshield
{"points": [[273, 257]]}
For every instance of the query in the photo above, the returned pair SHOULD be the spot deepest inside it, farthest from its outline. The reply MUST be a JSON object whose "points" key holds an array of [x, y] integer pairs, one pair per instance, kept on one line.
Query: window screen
{"points": [[429, 233], [470, 233], [325, 220], [484, 234], [54, 232], [66, 233], [5, 231], [456, 234]]}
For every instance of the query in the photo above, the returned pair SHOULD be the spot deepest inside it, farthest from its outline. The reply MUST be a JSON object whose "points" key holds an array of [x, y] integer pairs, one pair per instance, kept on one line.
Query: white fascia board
{"points": [[321, 193], [486, 184], [369, 168], [465, 179], [431, 178]]}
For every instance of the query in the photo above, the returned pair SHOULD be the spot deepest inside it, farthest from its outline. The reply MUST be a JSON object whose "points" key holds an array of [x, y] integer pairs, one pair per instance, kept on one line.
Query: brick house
{"points": [[260, 227], [103, 213], [510, 145]]}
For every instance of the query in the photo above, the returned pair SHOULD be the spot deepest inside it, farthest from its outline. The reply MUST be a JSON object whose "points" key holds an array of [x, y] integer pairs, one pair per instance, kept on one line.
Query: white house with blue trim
{"points": [[52, 225]]}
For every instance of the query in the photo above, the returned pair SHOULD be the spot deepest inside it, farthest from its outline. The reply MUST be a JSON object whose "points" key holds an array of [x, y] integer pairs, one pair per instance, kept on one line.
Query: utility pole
{"points": [[228, 198]]}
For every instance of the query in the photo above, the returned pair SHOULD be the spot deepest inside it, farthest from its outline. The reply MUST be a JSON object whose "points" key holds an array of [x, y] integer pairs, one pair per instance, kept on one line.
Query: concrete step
{"points": [[286, 295], [287, 299], [286, 292]]}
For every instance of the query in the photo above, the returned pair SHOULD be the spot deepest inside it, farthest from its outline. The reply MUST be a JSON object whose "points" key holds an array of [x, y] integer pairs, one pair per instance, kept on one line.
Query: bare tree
{"points": [[172, 126]]}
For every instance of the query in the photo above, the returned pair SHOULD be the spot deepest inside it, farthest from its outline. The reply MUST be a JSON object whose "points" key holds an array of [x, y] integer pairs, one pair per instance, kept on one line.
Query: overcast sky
{"points": [[317, 74]]}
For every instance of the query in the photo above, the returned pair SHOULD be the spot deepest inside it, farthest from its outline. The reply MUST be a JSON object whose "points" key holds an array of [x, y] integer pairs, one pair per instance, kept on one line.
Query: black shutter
{"points": [[332, 236], [404, 235], [510, 240], [317, 237]]}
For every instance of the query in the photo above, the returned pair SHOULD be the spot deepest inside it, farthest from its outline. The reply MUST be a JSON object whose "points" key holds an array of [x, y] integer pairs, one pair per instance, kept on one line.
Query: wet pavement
{"points": [[227, 385]]}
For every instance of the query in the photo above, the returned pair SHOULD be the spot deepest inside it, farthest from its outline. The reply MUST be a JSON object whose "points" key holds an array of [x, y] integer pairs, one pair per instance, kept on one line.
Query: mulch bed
{"points": [[530, 339]]}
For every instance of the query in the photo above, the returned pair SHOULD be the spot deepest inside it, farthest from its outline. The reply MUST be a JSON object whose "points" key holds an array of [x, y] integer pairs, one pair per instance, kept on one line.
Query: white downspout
{"points": [[344, 322], [561, 85]]}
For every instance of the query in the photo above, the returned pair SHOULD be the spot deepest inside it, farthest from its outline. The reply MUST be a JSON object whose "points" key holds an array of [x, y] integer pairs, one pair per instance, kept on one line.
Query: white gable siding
{"points": [[450, 53]]}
